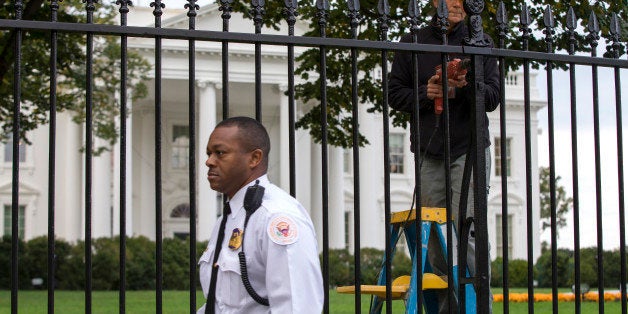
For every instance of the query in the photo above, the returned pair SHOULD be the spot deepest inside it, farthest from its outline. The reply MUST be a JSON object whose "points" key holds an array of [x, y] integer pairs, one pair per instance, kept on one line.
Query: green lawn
{"points": [[68, 302]]}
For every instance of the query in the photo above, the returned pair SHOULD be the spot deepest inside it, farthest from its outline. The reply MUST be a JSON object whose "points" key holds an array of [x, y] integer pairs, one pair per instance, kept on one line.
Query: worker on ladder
{"points": [[443, 158]]}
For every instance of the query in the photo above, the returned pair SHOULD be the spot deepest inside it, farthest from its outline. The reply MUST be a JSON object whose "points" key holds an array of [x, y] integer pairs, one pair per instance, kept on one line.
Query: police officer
{"points": [[263, 255]]}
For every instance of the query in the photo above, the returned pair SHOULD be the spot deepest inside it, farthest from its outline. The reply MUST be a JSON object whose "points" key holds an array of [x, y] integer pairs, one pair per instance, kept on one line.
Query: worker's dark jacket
{"points": [[401, 98]]}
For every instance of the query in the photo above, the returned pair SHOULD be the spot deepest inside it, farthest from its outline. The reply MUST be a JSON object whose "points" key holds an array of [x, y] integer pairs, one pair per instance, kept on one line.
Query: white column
{"points": [[284, 138], [371, 182], [144, 172], [101, 192], [336, 198], [206, 197], [316, 211], [68, 180]]}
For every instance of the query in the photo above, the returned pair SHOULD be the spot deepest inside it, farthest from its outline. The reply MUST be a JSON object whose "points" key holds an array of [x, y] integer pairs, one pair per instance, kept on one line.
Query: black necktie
{"points": [[211, 294]]}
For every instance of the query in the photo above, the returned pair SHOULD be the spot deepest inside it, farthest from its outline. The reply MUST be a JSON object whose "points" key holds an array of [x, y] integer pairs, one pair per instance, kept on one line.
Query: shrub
{"points": [[140, 264], [518, 273], [176, 264], [564, 268], [341, 266]]}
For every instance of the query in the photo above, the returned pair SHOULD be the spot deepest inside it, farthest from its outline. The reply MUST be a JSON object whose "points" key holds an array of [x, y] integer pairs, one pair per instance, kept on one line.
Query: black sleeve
{"points": [[400, 92], [491, 84]]}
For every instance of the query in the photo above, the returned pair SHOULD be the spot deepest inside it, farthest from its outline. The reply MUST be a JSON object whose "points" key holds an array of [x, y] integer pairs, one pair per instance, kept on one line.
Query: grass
{"points": [[69, 302]]}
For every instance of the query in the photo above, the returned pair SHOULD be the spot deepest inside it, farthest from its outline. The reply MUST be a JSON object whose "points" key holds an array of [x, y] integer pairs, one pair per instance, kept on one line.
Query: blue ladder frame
{"points": [[430, 300]]}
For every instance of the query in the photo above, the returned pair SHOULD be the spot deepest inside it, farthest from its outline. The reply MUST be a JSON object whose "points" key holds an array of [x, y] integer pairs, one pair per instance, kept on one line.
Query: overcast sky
{"points": [[586, 155]]}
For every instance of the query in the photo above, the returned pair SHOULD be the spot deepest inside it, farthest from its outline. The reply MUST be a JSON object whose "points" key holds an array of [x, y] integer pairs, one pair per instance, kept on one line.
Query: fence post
{"points": [[476, 39]]}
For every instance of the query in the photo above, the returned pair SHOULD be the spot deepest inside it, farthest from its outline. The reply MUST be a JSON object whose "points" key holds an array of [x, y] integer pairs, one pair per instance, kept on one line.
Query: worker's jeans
{"points": [[433, 195]]}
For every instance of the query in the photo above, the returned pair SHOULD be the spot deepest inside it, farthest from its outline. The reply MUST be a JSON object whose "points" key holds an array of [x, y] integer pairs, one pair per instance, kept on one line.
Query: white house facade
{"points": [[141, 202]]}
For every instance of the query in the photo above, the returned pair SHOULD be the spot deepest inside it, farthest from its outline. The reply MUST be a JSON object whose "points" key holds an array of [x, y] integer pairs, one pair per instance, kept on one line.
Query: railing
{"points": [[476, 48]]}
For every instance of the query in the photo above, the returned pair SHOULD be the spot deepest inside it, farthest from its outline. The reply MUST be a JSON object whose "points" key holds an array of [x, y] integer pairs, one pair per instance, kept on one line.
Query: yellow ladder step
{"points": [[399, 286], [435, 214], [433, 281], [398, 289]]}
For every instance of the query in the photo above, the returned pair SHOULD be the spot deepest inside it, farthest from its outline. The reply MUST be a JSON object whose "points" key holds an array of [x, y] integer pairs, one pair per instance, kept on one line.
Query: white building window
{"points": [[499, 155], [499, 245], [396, 153], [180, 146], [20, 222], [8, 152]]}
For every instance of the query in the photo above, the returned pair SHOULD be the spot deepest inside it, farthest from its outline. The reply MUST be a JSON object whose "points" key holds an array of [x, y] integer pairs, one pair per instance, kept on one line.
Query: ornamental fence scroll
{"points": [[386, 22]]}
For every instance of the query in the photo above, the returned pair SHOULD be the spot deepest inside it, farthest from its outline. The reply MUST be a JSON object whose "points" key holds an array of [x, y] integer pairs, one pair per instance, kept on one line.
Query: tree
{"points": [[563, 203], [369, 88], [71, 64]]}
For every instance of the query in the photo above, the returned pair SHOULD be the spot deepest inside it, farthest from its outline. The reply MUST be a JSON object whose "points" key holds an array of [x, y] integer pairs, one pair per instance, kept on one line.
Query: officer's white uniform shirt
{"points": [[283, 265]]}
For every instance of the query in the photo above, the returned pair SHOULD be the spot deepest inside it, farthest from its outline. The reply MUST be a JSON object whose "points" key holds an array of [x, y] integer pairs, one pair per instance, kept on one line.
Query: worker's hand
{"points": [[434, 87], [458, 81]]}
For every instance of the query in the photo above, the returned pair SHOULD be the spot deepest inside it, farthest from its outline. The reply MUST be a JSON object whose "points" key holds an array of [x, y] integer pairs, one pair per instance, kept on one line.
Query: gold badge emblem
{"points": [[236, 239]]}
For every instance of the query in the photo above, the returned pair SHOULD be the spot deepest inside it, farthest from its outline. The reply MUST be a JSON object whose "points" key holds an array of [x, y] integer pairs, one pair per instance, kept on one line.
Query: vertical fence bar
{"points": [[476, 38], [354, 16], [413, 13], [89, 88], [192, 8], [291, 12], [157, 12], [571, 26], [525, 30], [124, 10], [615, 35], [594, 28], [15, 190], [258, 12], [502, 20], [548, 20], [442, 13], [383, 9], [54, 7], [322, 14], [225, 7]]}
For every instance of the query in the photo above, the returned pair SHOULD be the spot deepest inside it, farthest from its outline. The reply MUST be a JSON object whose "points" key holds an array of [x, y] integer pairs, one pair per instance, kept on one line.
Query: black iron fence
{"points": [[475, 47]]}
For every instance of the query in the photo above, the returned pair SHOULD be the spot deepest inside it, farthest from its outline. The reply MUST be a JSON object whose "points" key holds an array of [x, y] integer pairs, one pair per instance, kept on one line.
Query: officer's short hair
{"points": [[253, 135]]}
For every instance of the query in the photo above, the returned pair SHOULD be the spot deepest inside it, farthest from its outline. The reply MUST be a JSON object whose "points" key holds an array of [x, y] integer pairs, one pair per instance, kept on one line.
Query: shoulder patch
{"points": [[282, 230]]}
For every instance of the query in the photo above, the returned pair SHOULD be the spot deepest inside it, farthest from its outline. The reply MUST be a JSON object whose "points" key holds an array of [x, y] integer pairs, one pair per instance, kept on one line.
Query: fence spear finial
{"points": [[442, 13], [548, 20], [615, 34], [323, 7], [571, 30], [502, 23], [594, 29]]}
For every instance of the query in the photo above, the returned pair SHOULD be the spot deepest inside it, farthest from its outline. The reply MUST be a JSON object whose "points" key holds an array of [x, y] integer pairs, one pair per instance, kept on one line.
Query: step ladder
{"points": [[405, 287]]}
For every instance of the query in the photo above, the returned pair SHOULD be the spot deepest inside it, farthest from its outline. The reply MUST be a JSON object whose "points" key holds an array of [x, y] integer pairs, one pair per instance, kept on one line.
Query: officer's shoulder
{"points": [[277, 200]]}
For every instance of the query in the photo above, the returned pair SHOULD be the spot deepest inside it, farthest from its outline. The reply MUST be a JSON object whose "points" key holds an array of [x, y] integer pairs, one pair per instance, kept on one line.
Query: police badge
{"points": [[236, 239]]}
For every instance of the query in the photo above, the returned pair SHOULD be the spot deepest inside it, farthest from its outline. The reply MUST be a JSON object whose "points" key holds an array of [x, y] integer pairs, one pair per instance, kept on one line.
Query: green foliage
{"points": [[339, 104], [564, 268], [176, 264], [518, 273], [140, 265], [71, 71], [563, 203]]}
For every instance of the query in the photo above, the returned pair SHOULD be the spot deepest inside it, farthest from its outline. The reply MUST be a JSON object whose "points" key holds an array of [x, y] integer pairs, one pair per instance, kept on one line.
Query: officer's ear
{"points": [[255, 158]]}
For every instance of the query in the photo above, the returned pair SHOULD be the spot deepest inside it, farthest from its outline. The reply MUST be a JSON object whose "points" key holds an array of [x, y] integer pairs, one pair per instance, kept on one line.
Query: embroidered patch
{"points": [[283, 230]]}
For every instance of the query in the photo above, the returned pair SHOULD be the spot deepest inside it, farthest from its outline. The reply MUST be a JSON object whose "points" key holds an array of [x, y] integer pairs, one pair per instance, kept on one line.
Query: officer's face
{"points": [[456, 11], [230, 166]]}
